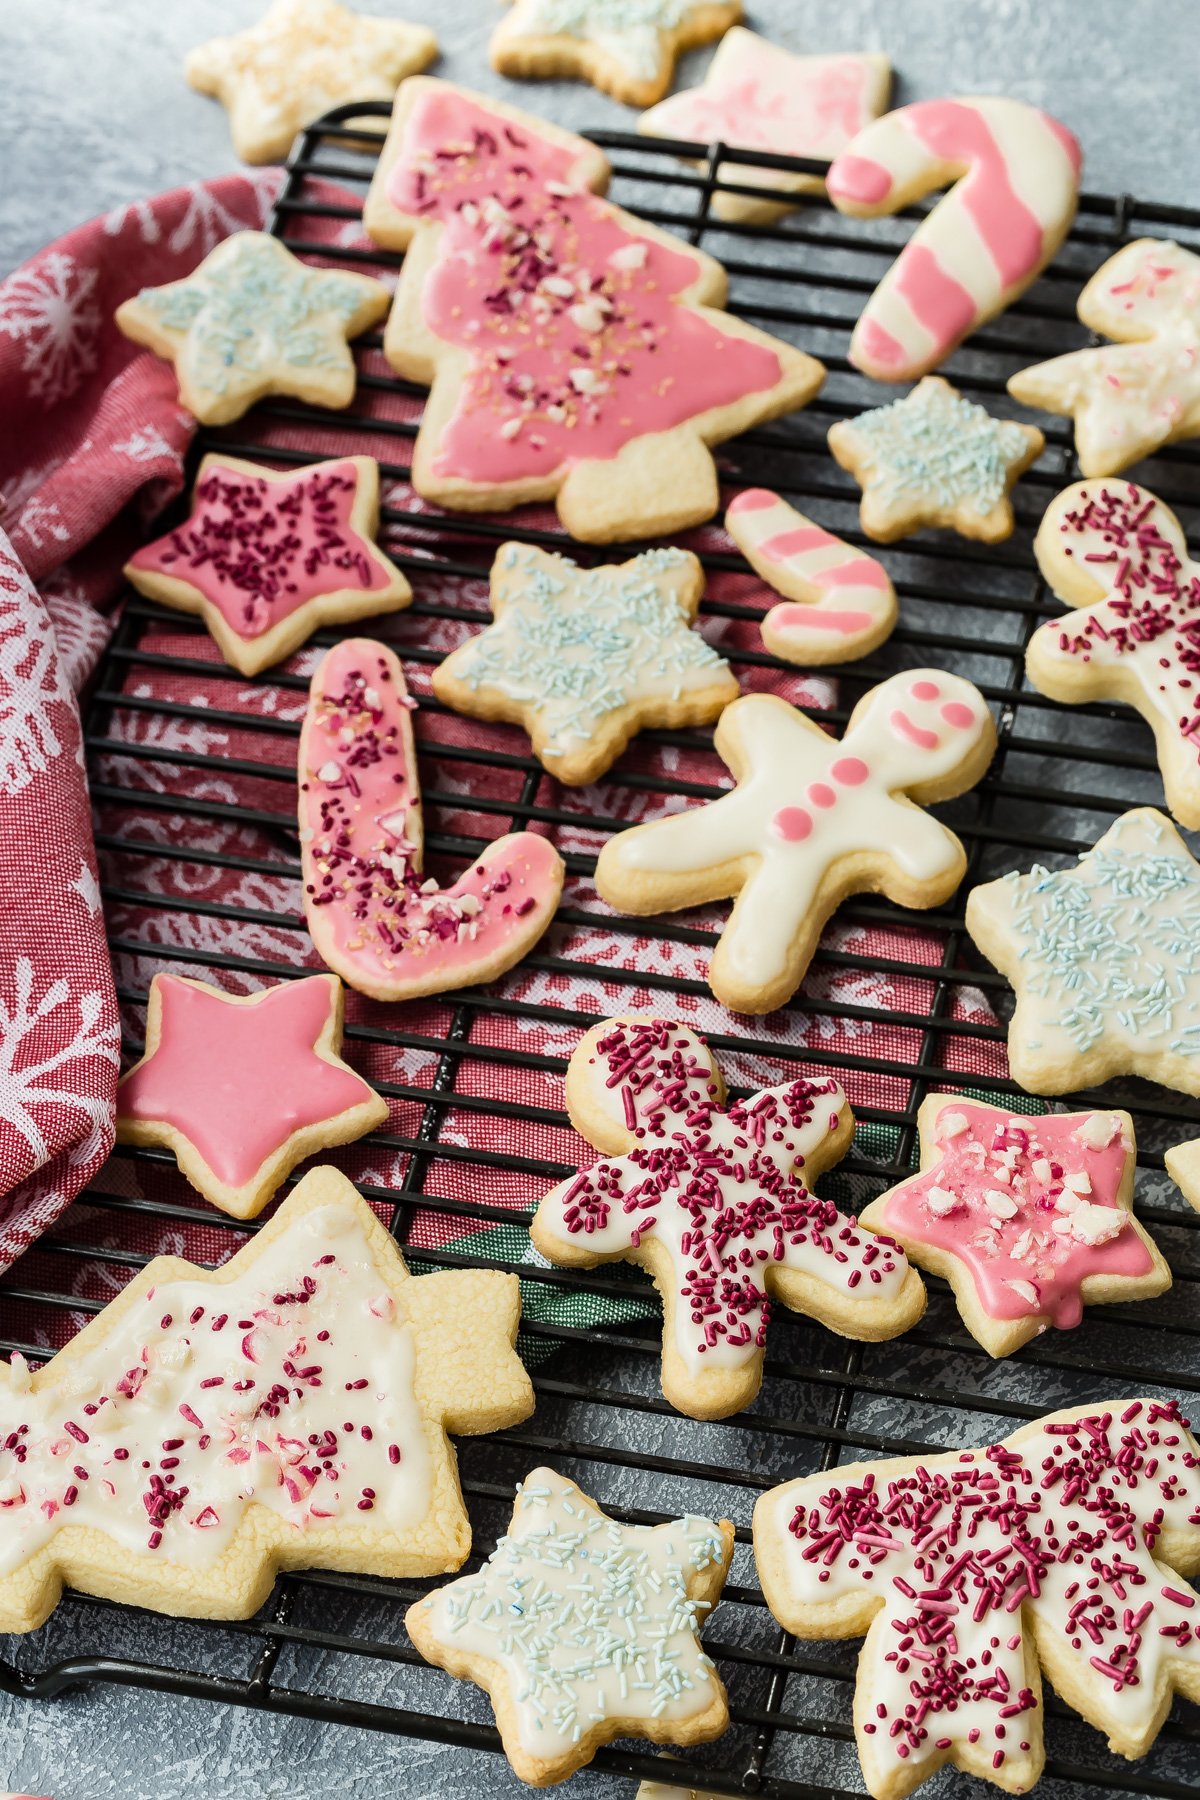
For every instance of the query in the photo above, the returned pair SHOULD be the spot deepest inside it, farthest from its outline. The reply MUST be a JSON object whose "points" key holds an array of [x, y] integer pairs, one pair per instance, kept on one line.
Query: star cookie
{"points": [[252, 320], [288, 1410], [626, 48], [711, 1200], [1058, 1546], [810, 821], [935, 458], [1029, 1219], [1105, 960], [841, 604], [582, 1630], [242, 1087], [1129, 398], [268, 556], [585, 658], [758, 96], [302, 58], [386, 929]]}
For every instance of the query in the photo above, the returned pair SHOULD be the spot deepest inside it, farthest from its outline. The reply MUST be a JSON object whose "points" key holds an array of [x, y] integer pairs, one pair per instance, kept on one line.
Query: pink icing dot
{"points": [[792, 823], [821, 794], [924, 690], [851, 771], [958, 715]]}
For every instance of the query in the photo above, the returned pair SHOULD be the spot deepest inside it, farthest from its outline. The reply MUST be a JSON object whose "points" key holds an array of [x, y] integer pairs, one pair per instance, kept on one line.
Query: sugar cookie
{"points": [[626, 48], [935, 458], [575, 353], [1183, 1166], [581, 1630], [967, 1570], [286, 1411], [810, 821], [711, 1200]]}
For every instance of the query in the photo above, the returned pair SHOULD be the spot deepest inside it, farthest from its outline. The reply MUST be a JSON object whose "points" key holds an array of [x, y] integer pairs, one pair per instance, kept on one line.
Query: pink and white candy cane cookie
{"points": [[810, 821], [1015, 172], [1058, 1547], [840, 603], [374, 918], [712, 1200]]}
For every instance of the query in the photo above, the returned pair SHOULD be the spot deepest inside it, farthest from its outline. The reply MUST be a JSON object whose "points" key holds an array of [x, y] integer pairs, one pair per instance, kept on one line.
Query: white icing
{"points": [[630, 31]]}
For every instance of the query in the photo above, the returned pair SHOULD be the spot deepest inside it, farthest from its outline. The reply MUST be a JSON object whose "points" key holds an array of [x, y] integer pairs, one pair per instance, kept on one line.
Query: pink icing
{"points": [[237, 1081], [925, 690], [878, 344], [942, 305], [1026, 1247], [958, 715], [792, 823], [851, 771], [795, 542], [859, 572], [776, 105], [925, 739], [821, 794], [1011, 232], [858, 179], [1068, 140], [819, 618], [752, 500], [575, 336]]}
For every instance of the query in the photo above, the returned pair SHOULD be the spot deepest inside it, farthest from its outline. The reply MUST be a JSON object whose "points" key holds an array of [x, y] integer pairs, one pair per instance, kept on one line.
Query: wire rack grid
{"points": [[192, 770]]}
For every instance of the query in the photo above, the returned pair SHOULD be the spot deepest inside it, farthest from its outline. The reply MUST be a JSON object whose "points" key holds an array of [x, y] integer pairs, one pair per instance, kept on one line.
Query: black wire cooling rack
{"points": [[332, 1648]]}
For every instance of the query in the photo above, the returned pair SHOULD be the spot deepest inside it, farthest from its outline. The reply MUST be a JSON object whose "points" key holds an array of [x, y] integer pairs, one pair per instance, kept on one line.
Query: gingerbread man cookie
{"points": [[1058, 1546], [252, 320], [1129, 398], [626, 48], [585, 658], [374, 918], [810, 821], [575, 353], [268, 556], [711, 1200], [1029, 1219], [841, 604], [1016, 186], [288, 1410], [581, 1629]]}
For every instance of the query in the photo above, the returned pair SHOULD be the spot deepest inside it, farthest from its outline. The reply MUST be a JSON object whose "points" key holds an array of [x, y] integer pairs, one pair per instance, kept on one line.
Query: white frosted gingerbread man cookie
{"points": [[626, 48], [810, 821]]}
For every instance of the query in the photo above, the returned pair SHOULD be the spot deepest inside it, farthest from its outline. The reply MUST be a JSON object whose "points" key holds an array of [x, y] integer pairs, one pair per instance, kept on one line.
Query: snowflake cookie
{"points": [[302, 58], [288, 1410], [935, 458], [268, 556], [1029, 1218], [713, 1201], [252, 320], [582, 1629], [242, 1087], [626, 48], [1058, 1546], [1105, 960], [810, 821], [575, 353], [585, 658]]}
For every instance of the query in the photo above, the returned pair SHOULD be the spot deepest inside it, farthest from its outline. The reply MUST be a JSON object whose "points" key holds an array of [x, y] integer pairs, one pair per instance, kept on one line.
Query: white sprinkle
{"points": [[329, 771], [941, 1201], [951, 1124], [1001, 1204], [1026, 1291]]}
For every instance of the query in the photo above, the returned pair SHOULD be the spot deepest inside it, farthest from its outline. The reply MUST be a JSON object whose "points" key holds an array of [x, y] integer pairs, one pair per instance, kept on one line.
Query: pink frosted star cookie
{"points": [[242, 1087], [713, 1201], [1029, 1218], [375, 918], [268, 556]]}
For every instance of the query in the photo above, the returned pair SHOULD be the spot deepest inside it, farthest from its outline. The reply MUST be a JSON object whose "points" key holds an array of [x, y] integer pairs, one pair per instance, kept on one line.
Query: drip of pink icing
{"points": [[1008, 228], [575, 339]]}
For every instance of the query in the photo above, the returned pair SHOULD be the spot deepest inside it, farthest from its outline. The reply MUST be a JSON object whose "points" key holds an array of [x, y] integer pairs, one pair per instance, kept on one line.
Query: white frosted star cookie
{"points": [[252, 320], [627, 48]]}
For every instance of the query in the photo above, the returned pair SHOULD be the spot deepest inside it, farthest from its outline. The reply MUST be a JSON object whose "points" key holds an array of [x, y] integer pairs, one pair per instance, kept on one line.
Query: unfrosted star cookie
{"points": [[302, 58], [1131, 397], [1015, 172], [1059, 1546], [252, 320], [758, 96], [375, 918], [626, 48], [935, 458], [840, 604], [582, 1630], [288, 1410], [1104, 958], [713, 1201], [242, 1087], [1119, 555], [810, 821], [585, 658], [1028, 1218], [268, 556], [575, 353]]}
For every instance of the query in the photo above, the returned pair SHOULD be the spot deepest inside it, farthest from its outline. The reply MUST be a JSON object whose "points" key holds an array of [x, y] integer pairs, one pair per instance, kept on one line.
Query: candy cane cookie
{"points": [[1015, 172]]}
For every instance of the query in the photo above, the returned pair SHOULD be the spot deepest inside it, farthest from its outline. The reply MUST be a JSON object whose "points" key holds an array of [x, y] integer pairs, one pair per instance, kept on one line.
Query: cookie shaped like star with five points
{"points": [[242, 1087], [586, 658], [253, 320], [626, 48], [581, 1629], [935, 458], [303, 57]]}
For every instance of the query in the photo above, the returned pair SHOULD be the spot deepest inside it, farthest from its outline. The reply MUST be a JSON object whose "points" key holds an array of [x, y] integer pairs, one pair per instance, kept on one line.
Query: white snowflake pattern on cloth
{"points": [[31, 683], [49, 309], [87, 887], [80, 632], [41, 520], [146, 444], [207, 221], [33, 1085]]}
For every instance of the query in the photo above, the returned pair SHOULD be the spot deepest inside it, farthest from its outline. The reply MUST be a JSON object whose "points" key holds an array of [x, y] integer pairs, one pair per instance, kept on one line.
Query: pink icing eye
{"points": [[955, 713], [851, 771], [821, 794], [924, 690], [792, 823]]}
